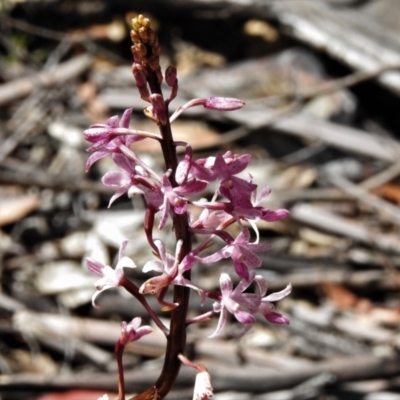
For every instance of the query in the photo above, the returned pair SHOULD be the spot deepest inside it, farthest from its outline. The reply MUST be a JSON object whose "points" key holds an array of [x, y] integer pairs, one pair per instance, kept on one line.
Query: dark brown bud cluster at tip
{"points": [[146, 48]]}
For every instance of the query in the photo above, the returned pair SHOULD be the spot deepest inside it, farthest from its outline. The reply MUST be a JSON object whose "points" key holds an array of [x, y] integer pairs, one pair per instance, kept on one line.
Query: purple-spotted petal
{"points": [[223, 103], [113, 121]]}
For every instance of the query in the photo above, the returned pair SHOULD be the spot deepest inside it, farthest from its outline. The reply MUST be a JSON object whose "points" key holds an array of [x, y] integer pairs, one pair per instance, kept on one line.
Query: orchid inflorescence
{"points": [[167, 196]]}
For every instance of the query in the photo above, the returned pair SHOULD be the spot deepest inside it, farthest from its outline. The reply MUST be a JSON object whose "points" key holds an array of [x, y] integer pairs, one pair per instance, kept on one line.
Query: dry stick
{"points": [[36, 176], [62, 73], [346, 82], [387, 211], [325, 220], [299, 98], [229, 378], [329, 87], [82, 38], [40, 99], [332, 134], [382, 177]]}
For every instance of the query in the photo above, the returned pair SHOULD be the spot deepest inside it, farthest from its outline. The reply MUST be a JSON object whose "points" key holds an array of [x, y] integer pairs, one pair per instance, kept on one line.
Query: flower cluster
{"points": [[234, 200]]}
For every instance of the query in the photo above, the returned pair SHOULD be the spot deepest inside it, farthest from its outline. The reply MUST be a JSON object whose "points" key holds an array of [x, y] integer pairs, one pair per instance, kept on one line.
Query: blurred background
{"points": [[321, 83]]}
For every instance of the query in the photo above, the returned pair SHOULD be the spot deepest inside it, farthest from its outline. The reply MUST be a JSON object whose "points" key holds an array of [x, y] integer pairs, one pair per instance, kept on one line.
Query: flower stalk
{"points": [[167, 197]]}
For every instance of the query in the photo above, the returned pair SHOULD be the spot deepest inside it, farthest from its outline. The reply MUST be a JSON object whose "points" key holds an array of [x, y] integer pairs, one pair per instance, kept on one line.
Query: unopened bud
{"points": [[172, 81], [223, 103], [140, 21], [154, 64], [143, 34], [141, 81], [134, 36], [140, 48], [170, 76], [139, 52]]}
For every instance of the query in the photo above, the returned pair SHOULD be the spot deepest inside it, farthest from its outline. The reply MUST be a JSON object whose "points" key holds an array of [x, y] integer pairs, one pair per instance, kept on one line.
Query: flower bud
{"points": [[134, 37], [154, 64], [143, 34], [170, 76], [141, 81], [223, 103]]}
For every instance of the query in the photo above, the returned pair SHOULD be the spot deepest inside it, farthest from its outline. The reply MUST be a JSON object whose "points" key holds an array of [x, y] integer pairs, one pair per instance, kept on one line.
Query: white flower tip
{"points": [[125, 262], [104, 397], [202, 388]]}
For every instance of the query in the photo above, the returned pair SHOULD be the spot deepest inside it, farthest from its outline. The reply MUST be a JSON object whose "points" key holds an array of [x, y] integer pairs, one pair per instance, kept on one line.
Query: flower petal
{"points": [[95, 267], [223, 316], [279, 295], [226, 285]]}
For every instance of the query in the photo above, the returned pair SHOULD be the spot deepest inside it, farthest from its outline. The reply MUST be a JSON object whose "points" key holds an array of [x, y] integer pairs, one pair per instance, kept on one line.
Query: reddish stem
{"points": [[119, 351]]}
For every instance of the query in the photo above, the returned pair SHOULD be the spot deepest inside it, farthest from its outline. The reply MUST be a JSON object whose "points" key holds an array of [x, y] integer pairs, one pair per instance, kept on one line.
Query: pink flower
{"points": [[243, 202], [245, 305], [241, 305], [266, 308], [173, 196], [109, 277], [133, 331], [242, 253], [267, 214], [171, 271], [108, 137], [223, 166], [123, 179]]}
